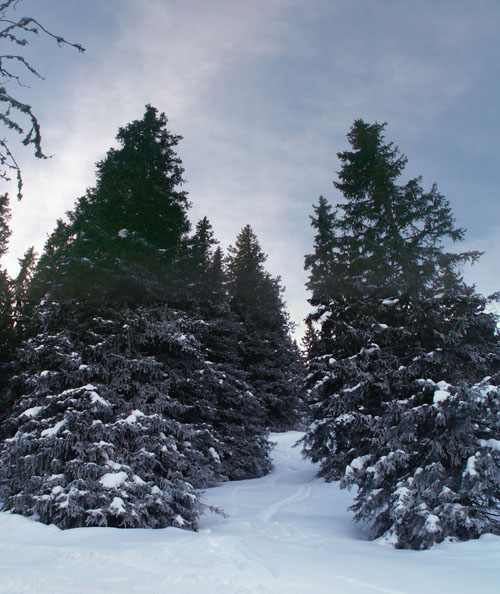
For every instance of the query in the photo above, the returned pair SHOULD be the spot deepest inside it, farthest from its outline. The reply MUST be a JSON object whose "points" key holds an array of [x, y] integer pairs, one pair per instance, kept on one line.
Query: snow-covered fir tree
{"points": [[122, 410], [121, 418], [403, 358], [269, 355]]}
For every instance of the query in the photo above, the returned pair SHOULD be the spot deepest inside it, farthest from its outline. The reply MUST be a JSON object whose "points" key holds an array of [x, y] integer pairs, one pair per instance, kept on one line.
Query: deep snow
{"points": [[286, 533]]}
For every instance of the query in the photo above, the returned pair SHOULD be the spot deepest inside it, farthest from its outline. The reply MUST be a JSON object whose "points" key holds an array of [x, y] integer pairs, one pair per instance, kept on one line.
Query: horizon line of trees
{"points": [[140, 364]]}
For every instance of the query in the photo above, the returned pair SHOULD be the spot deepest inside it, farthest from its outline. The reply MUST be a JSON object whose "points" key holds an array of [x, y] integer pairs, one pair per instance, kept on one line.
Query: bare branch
{"points": [[17, 32]]}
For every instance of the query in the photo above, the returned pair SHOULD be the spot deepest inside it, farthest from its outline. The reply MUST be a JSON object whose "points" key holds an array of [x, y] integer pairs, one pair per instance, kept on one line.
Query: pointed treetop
{"points": [[389, 237]]}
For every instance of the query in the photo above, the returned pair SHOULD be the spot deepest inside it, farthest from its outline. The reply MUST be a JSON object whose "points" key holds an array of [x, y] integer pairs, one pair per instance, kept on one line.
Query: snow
{"points": [[432, 523], [357, 464], [493, 444], [133, 416], [286, 533], [112, 480], [442, 393], [214, 454], [113, 465], [31, 412], [368, 351], [470, 467], [118, 506], [94, 397], [390, 302], [52, 430]]}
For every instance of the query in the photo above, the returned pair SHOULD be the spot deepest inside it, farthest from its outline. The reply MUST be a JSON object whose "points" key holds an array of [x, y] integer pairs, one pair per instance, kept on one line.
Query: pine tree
{"points": [[215, 279], [121, 414], [21, 289], [120, 419], [399, 327], [7, 332], [200, 277], [391, 235], [322, 276], [268, 354], [125, 238]]}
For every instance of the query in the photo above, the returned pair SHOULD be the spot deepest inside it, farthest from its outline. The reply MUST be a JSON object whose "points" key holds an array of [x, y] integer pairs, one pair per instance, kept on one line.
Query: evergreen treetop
{"points": [[390, 236], [320, 263], [255, 294], [125, 238], [268, 356], [138, 184]]}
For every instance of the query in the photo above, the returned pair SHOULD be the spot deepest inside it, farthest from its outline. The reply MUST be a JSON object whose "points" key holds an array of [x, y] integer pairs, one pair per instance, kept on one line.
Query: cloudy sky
{"points": [[264, 93]]}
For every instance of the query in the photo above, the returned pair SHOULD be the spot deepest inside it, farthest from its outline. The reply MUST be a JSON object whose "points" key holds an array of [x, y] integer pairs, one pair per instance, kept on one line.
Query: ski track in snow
{"points": [[286, 533]]}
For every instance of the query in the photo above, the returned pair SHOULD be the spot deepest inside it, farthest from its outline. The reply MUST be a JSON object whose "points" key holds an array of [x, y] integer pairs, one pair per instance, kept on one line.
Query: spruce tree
{"points": [[199, 275], [319, 263], [120, 419], [123, 411], [402, 346], [126, 237], [268, 354], [21, 289]]}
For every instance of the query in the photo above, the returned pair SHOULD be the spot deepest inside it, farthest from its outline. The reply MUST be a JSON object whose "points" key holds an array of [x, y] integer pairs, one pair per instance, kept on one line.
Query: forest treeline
{"points": [[140, 364]]}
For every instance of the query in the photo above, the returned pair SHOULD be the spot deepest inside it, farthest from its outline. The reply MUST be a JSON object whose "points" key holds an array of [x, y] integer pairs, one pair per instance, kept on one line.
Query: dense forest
{"points": [[140, 364]]}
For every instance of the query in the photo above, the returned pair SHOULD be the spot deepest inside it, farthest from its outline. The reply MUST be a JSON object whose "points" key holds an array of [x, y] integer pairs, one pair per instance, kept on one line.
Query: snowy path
{"points": [[287, 533]]}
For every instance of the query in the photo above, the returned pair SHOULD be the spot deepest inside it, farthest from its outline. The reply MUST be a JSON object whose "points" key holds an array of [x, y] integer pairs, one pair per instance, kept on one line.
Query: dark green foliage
{"points": [[398, 350], [6, 323], [20, 291], [94, 412], [7, 332], [267, 352], [389, 236], [205, 279], [125, 237], [322, 274], [8, 339], [247, 276], [138, 185], [438, 470]]}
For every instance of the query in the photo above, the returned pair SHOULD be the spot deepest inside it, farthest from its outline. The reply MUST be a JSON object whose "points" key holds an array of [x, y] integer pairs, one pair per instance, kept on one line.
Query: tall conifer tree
{"points": [[268, 354], [120, 414], [402, 346], [321, 262], [126, 236]]}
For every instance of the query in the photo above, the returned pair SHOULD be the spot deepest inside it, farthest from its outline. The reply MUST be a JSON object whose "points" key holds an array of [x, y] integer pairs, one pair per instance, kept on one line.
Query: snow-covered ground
{"points": [[287, 533]]}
